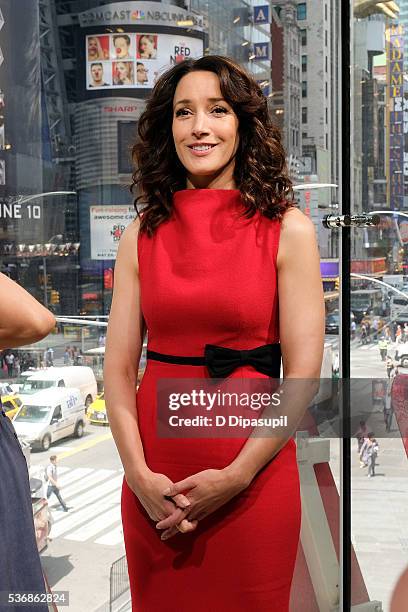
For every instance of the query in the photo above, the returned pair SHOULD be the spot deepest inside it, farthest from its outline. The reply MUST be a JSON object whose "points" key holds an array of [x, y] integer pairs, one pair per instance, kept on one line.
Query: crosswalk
{"points": [[366, 347], [93, 496]]}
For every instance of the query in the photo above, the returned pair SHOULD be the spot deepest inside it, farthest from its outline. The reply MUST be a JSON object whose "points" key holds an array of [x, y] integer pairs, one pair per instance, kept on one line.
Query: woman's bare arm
{"points": [[23, 319], [301, 323], [124, 341]]}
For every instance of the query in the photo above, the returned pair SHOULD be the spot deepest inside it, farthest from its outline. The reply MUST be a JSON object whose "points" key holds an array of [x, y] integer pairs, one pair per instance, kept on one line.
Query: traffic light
{"points": [[55, 297], [337, 284]]}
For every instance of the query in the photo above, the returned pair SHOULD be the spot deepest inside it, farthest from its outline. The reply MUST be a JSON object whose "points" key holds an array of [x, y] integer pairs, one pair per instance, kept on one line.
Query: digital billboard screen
{"points": [[134, 60]]}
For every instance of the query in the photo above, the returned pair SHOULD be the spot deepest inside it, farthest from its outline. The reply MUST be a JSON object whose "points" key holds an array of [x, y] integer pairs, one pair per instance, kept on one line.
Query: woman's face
{"points": [[146, 46], [92, 46], [205, 128], [122, 70], [121, 47], [141, 72]]}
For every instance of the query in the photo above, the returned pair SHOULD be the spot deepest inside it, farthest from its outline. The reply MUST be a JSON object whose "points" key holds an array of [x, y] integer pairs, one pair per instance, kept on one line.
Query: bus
{"points": [[366, 301], [398, 305]]}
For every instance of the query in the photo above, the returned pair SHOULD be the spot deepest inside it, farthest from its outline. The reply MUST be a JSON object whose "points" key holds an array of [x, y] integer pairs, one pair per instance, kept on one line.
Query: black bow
{"points": [[221, 361]]}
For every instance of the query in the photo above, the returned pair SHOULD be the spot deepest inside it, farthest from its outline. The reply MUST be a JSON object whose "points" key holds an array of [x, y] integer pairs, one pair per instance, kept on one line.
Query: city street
{"points": [[379, 504], [86, 540]]}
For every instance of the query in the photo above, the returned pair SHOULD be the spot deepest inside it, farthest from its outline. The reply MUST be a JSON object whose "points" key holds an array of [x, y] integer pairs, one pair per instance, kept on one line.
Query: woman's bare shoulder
{"points": [[130, 235], [127, 252], [298, 237], [294, 221]]}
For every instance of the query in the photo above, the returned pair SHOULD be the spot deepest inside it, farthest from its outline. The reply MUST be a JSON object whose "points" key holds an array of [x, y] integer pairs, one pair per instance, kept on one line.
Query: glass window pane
{"points": [[379, 293], [301, 11]]}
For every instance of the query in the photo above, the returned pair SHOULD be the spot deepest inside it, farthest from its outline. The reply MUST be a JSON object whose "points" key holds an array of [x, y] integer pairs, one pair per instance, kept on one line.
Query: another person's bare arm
{"points": [[23, 320]]}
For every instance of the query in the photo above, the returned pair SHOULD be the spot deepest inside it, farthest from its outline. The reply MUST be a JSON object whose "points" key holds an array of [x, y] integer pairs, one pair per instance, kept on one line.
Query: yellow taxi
{"points": [[97, 411], [11, 404]]}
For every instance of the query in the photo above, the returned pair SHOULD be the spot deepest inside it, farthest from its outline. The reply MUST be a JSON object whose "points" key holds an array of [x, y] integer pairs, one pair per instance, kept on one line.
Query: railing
{"points": [[119, 583]]}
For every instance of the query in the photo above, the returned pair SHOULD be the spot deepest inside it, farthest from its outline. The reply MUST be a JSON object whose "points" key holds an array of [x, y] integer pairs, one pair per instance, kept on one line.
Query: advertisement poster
{"points": [[107, 225], [134, 60]]}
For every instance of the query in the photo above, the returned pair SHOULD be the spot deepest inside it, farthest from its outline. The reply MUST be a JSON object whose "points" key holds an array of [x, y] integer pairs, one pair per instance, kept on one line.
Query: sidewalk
{"points": [[379, 511]]}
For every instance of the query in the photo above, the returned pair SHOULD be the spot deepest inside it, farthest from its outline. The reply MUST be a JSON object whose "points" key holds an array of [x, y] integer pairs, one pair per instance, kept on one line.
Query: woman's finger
{"points": [[178, 487], [172, 520], [187, 527], [181, 500]]}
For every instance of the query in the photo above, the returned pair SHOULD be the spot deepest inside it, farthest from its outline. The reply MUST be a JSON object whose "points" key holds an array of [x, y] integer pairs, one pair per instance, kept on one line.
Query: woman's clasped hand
{"points": [[207, 491]]}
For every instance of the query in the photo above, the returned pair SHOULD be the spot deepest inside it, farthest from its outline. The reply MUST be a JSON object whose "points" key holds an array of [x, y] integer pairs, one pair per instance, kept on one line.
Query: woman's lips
{"points": [[202, 153]]}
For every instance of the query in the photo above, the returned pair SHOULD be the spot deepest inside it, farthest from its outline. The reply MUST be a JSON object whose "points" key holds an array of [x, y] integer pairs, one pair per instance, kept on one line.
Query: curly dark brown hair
{"points": [[260, 171]]}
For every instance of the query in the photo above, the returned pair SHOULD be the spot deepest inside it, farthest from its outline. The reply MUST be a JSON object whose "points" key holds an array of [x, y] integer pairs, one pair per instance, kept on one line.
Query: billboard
{"points": [[134, 60], [107, 225], [141, 13], [395, 124]]}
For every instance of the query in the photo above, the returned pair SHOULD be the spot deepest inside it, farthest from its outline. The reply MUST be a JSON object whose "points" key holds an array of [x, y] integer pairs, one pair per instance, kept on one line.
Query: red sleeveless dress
{"points": [[207, 276]]}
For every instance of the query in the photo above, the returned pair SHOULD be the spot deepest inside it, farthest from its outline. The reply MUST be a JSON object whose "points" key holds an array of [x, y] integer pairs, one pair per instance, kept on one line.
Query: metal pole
{"points": [[345, 111], [45, 282]]}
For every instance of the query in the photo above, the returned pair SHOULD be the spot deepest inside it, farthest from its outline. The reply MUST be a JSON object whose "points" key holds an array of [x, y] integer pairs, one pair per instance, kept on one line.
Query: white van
{"points": [[50, 415], [80, 377], [401, 354]]}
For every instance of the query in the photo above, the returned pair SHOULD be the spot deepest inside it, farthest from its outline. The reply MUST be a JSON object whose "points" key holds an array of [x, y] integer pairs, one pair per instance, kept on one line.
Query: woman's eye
{"points": [[181, 112], [220, 110]]}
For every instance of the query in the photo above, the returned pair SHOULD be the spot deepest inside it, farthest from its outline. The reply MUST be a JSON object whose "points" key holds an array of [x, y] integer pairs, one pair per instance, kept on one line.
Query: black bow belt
{"points": [[221, 361]]}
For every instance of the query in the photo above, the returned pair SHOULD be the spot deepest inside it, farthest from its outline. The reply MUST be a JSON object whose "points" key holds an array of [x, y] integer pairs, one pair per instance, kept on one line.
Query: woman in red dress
{"points": [[210, 522]]}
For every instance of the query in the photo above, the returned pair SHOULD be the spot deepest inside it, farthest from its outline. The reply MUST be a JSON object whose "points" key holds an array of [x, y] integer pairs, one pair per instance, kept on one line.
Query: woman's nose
{"points": [[200, 124]]}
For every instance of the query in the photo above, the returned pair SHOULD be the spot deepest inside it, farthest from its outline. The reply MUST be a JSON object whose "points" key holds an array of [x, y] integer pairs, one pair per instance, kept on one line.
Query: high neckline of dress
{"points": [[206, 197]]}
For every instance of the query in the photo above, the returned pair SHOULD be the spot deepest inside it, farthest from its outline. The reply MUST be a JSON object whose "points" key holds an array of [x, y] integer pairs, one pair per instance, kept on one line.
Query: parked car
{"points": [[50, 415], [80, 377]]}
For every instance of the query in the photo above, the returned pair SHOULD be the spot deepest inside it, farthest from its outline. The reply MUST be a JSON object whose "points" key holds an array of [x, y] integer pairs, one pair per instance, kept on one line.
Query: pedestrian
{"points": [[9, 359], [49, 357], [71, 354], [398, 335], [368, 454], [388, 409], [23, 321], [375, 329], [51, 477], [361, 434], [368, 329], [363, 333], [383, 347], [353, 329], [66, 356], [394, 372], [389, 365], [17, 366], [387, 334]]}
